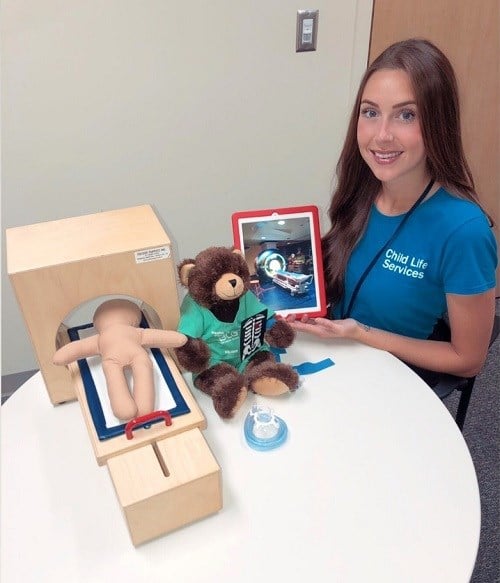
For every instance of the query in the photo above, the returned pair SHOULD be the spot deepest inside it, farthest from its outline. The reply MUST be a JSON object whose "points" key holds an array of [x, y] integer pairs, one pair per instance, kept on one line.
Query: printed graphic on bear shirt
{"points": [[252, 334]]}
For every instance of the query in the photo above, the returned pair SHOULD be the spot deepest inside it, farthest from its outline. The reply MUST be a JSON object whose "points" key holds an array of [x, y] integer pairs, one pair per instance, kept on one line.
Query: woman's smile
{"points": [[384, 158]]}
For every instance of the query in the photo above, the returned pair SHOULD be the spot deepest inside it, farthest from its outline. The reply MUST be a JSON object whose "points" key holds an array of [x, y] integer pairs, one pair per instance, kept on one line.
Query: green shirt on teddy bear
{"points": [[232, 342]]}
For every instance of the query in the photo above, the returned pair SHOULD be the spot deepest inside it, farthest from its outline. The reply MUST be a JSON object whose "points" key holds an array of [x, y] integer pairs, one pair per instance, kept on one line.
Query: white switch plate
{"points": [[307, 30]]}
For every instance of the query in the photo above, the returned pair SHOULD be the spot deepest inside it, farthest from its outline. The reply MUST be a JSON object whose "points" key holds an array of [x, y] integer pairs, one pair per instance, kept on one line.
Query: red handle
{"points": [[133, 423]]}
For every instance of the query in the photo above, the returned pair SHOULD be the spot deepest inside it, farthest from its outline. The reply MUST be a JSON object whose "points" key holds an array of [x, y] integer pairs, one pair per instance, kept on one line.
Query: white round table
{"points": [[374, 483]]}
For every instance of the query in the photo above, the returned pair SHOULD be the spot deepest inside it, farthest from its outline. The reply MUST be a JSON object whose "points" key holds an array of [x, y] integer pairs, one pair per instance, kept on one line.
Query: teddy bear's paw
{"points": [[225, 385], [241, 399], [272, 379], [194, 355], [269, 387], [281, 335], [227, 403]]}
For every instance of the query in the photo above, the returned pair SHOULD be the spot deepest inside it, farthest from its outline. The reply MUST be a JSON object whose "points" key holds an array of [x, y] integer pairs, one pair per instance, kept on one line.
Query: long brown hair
{"points": [[436, 94]]}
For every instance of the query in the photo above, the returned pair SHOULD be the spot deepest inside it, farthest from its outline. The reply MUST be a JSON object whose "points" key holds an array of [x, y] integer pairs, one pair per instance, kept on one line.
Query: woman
{"points": [[409, 241]]}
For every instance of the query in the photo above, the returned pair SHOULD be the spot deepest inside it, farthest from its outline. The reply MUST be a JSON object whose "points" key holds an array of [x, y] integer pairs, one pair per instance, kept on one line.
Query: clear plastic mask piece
{"points": [[263, 429]]}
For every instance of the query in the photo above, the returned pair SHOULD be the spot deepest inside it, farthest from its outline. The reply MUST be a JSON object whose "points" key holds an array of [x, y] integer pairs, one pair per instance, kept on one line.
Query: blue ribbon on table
{"points": [[304, 367]]}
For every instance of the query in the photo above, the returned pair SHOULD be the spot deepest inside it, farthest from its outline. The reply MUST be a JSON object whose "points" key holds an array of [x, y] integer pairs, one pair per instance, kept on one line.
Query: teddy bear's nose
{"points": [[233, 282]]}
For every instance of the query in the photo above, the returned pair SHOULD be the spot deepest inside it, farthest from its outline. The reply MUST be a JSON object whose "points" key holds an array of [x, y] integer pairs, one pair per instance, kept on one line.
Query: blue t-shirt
{"points": [[446, 246]]}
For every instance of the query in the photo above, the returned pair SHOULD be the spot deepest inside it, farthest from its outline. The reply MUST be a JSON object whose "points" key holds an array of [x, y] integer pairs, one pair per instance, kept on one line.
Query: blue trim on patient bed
{"points": [[94, 403]]}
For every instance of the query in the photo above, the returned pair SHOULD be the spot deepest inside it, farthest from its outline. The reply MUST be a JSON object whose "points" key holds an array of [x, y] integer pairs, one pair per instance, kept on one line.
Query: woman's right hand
{"points": [[323, 327]]}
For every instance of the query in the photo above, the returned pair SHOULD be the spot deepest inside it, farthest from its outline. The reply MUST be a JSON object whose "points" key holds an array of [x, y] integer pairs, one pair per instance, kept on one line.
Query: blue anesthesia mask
{"points": [[263, 429]]}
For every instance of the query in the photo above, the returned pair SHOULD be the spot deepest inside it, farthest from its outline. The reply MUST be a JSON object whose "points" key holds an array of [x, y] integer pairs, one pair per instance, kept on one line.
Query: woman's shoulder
{"points": [[452, 209], [461, 223]]}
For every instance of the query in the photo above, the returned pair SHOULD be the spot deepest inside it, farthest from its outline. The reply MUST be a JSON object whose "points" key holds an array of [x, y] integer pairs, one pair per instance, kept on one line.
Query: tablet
{"points": [[282, 248]]}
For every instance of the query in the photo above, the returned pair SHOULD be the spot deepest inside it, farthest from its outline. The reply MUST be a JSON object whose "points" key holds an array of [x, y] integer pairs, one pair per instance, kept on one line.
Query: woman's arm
{"points": [[471, 321]]}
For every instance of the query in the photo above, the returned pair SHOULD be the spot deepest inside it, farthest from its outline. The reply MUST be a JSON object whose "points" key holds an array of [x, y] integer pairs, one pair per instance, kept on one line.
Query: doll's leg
{"points": [[144, 388], [122, 404]]}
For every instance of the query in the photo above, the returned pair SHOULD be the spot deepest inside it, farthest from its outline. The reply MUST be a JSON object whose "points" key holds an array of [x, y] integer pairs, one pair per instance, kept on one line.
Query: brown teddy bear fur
{"points": [[216, 279]]}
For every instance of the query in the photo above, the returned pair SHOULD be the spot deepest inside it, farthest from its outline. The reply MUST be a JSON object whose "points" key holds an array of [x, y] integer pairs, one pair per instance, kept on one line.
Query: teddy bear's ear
{"points": [[184, 270]]}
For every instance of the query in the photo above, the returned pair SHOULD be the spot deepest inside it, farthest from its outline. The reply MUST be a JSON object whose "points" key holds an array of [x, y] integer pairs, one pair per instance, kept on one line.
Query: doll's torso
{"points": [[122, 344]]}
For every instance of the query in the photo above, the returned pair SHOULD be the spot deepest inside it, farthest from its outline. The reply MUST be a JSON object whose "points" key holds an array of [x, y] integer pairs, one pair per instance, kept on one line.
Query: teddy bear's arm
{"points": [[194, 355], [280, 335], [77, 349], [153, 338]]}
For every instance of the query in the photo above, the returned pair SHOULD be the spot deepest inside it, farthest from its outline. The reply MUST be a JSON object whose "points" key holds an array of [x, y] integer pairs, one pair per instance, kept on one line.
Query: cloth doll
{"points": [[122, 343]]}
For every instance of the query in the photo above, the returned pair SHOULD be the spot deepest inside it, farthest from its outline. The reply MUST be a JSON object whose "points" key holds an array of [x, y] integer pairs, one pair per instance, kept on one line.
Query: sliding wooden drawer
{"points": [[166, 484]]}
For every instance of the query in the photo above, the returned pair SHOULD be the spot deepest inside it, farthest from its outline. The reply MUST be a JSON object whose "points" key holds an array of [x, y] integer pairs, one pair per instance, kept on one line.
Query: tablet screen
{"points": [[282, 248]]}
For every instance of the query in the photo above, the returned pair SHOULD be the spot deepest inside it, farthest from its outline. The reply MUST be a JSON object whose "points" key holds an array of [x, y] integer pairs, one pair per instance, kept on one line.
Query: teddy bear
{"points": [[229, 332], [121, 343]]}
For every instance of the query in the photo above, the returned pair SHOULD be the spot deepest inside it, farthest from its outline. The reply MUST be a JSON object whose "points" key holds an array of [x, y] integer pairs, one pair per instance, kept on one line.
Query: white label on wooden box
{"points": [[154, 254]]}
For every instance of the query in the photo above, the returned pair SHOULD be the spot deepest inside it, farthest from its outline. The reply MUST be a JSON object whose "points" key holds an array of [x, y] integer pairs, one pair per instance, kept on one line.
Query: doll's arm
{"points": [[153, 338], [77, 349]]}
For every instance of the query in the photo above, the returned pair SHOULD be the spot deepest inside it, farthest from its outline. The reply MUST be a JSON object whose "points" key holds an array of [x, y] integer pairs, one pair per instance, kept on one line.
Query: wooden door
{"points": [[468, 33]]}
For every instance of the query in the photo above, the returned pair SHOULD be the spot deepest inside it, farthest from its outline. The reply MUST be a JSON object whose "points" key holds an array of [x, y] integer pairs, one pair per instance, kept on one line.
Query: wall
{"points": [[198, 108]]}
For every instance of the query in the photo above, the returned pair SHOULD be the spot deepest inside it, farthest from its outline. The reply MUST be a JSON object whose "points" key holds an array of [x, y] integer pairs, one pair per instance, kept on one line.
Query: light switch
{"points": [[307, 30]]}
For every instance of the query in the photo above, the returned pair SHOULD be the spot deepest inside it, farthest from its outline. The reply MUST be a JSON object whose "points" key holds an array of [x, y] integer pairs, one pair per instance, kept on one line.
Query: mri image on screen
{"points": [[281, 251]]}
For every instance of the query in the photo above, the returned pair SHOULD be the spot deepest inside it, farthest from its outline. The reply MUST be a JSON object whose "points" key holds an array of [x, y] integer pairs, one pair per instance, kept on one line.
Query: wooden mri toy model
{"points": [[58, 266]]}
